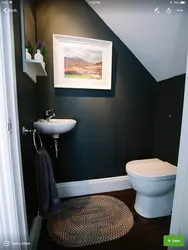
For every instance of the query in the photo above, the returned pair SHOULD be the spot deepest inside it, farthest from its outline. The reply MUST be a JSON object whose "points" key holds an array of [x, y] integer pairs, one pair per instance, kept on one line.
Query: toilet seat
{"points": [[151, 170]]}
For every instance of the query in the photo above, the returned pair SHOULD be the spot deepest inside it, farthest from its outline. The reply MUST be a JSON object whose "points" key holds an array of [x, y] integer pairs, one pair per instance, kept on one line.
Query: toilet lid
{"points": [[151, 169]]}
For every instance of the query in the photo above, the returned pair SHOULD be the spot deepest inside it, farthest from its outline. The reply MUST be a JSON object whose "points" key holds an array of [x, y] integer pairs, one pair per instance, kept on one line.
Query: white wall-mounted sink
{"points": [[54, 127]]}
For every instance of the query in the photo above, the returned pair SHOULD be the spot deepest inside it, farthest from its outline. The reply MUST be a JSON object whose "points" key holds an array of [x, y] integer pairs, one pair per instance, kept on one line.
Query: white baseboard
{"points": [[87, 187], [35, 232]]}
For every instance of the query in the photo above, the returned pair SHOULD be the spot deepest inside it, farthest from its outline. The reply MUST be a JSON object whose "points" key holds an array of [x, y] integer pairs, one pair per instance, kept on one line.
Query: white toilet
{"points": [[154, 182]]}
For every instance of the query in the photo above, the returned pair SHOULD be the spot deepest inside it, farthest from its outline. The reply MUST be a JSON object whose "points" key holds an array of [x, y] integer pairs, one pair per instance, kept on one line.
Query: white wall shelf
{"points": [[33, 69]]}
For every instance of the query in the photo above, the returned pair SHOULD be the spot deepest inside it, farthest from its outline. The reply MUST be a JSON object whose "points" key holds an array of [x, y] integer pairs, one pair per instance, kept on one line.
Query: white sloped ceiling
{"points": [[159, 41]]}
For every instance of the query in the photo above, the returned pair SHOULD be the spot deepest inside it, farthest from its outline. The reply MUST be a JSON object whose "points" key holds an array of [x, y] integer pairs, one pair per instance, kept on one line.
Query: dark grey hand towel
{"points": [[49, 202]]}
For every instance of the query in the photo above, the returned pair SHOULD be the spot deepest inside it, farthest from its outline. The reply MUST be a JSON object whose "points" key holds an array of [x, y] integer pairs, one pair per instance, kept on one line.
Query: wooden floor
{"points": [[146, 234]]}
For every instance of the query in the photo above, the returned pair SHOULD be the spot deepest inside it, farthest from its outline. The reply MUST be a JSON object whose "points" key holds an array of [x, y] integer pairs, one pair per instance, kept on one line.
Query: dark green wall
{"points": [[113, 127], [170, 94], [29, 21]]}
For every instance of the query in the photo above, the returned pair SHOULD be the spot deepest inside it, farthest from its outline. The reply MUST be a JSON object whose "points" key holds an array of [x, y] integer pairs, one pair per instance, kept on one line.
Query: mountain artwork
{"points": [[82, 63]]}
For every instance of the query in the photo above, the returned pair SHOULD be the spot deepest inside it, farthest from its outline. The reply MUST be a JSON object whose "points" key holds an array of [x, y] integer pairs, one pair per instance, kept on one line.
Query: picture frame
{"points": [[82, 63]]}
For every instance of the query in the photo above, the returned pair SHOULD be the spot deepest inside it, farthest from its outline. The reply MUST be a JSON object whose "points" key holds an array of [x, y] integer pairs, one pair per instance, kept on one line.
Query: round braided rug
{"points": [[90, 220]]}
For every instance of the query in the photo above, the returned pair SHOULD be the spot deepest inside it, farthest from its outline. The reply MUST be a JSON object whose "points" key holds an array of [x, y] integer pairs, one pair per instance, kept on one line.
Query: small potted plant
{"points": [[29, 50], [43, 49], [41, 52]]}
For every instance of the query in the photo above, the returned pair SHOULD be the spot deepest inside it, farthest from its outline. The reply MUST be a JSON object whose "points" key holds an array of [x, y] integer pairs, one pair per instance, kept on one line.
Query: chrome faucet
{"points": [[49, 114]]}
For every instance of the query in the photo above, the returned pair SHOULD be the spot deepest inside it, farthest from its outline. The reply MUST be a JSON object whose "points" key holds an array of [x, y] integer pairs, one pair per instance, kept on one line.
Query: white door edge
{"points": [[13, 222], [179, 221]]}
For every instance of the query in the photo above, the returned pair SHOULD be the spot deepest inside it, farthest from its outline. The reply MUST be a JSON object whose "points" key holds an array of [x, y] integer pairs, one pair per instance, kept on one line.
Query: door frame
{"points": [[179, 221], [13, 219]]}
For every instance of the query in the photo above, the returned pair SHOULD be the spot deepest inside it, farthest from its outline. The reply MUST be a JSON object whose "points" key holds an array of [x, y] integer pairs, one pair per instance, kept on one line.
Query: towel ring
{"points": [[34, 140]]}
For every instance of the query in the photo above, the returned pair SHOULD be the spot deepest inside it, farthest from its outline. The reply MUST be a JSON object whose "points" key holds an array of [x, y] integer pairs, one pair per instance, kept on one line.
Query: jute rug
{"points": [[90, 220]]}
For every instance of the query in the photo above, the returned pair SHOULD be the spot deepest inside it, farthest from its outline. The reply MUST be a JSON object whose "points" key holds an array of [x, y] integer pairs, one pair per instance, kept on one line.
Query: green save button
{"points": [[173, 241]]}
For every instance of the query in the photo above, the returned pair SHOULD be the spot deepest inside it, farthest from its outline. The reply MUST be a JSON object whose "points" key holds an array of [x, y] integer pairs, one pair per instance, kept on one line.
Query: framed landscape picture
{"points": [[82, 63]]}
